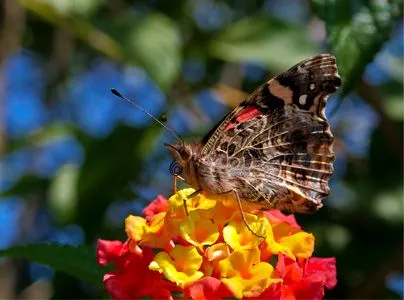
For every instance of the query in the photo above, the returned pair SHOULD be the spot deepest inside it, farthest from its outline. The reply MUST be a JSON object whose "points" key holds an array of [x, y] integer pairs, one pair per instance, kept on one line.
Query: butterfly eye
{"points": [[184, 153], [175, 168]]}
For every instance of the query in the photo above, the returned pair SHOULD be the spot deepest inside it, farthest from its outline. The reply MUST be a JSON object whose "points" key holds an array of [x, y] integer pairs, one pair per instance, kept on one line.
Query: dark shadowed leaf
{"points": [[110, 166], [77, 261], [27, 185]]}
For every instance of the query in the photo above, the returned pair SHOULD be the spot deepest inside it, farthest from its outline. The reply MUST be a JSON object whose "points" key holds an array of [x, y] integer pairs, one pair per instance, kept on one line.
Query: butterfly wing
{"points": [[275, 148]]}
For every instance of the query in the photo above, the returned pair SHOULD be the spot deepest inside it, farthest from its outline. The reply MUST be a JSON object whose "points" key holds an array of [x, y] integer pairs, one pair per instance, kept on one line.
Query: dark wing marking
{"points": [[308, 83], [305, 85]]}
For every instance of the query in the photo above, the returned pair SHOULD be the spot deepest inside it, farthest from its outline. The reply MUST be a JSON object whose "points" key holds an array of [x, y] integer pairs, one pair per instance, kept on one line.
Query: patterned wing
{"points": [[275, 149]]}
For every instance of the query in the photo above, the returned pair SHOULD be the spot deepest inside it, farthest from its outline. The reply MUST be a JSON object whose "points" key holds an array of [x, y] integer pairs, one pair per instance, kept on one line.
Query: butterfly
{"points": [[275, 149]]}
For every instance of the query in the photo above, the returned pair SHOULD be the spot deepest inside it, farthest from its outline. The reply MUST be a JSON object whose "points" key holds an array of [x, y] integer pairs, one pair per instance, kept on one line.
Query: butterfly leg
{"points": [[175, 177], [189, 197], [234, 192]]}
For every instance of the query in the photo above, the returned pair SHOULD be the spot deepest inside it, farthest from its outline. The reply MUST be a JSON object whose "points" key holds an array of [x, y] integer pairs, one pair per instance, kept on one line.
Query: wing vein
{"points": [[290, 181], [301, 167]]}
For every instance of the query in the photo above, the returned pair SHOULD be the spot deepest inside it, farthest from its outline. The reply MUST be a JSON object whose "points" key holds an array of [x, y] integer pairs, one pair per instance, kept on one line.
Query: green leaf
{"points": [[27, 185], [63, 192], [154, 43], [112, 164], [77, 261], [393, 93], [389, 205], [356, 31], [80, 28], [265, 40], [75, 7]]}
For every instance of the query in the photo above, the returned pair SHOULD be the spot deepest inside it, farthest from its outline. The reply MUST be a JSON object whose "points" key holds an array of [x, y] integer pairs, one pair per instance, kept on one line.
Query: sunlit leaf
{"points": [[74, 7], [63, 192], [265, 40], [155, 44], [356, 31], [77, 261], [389, 205], [393, 91]]}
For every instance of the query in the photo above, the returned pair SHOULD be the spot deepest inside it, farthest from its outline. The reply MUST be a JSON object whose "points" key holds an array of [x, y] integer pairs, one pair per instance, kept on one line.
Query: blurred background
{"points": [[75, 160]]}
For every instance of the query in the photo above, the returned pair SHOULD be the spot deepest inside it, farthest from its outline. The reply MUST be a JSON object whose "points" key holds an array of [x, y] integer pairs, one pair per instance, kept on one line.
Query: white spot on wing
{"points": [[302, 99], [312, 86]]}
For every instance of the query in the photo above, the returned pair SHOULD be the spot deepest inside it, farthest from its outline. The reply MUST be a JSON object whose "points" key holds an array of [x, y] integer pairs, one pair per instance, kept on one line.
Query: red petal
{"points": [[158, 205], [266, 255], [275, 216], [325, 267], [289, 270], [114, 287], [207, 288], [133, 279], [308, 289], [109, 251], [272, 292], [287, 293], [280, 269]]}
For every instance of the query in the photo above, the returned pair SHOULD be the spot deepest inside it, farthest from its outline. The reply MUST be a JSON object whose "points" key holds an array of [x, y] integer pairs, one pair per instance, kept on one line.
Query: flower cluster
{"points": [[211, 254]]}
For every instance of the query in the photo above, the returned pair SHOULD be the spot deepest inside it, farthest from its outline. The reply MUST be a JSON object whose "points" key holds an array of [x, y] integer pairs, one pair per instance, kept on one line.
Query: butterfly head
{"points": [[184, 155], [180, 152]]}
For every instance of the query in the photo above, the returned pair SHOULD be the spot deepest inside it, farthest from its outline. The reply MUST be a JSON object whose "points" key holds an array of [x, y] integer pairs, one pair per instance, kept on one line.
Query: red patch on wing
{"points": [[245, 115]]}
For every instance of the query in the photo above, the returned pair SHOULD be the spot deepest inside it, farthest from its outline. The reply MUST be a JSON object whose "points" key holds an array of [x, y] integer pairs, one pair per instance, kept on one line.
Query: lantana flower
{"points": [[210, 253]]}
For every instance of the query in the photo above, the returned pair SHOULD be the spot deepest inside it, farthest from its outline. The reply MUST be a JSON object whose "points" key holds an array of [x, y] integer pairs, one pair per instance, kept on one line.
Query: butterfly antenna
{"points": [[170, 130]]}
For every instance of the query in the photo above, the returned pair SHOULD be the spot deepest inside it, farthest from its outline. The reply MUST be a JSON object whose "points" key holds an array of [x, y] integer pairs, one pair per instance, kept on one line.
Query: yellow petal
{"points": [[176, 202], [217, 252], [301, 244], [260, 280], [135, 227], [154, 266], [235, 285], [187, 259], [239, 263], [152, 235], [274, 247], [224, 210], [183, 279], [156, 223], [176, 212], [238, 236], [244, 275], [162, 261], [199, 231], [181, 267]]}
